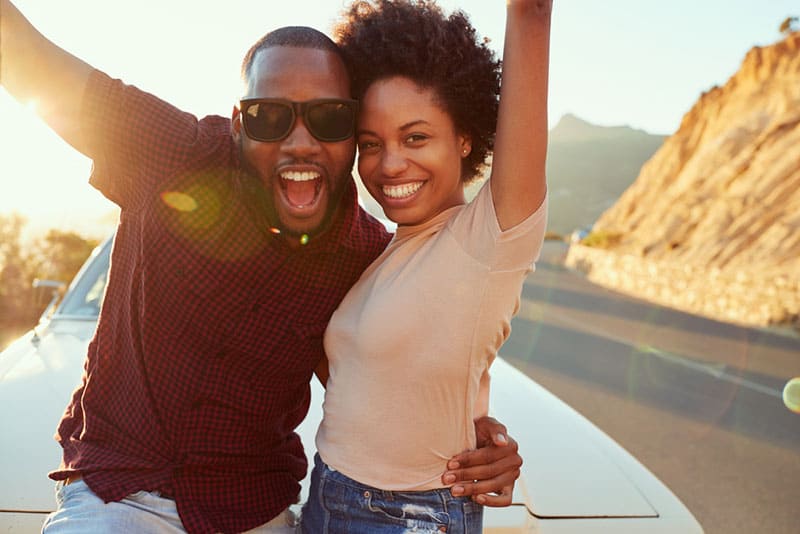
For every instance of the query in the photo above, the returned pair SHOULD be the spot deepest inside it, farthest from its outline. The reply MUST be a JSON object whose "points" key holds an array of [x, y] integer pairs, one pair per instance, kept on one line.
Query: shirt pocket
{"points": [[180, 296]]}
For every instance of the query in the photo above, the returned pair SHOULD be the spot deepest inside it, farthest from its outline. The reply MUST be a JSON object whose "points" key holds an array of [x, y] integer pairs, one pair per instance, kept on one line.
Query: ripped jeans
{"points": [[338, 504]]}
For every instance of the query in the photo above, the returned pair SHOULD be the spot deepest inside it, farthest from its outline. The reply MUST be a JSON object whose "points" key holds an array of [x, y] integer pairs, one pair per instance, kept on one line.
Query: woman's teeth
{"points": [[401, 191]]}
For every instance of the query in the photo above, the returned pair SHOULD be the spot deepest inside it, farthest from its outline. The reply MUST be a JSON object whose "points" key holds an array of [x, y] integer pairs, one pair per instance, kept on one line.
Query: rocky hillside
{"points": [[722, 196], [589, 167]]}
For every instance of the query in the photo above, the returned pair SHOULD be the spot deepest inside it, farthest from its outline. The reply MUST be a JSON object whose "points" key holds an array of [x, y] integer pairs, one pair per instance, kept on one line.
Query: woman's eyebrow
{"points": [[406, 126]]}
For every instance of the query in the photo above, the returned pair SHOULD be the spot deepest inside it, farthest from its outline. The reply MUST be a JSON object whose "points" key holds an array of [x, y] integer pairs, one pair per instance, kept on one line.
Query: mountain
{"points": [[717, 208], [588, 168]]}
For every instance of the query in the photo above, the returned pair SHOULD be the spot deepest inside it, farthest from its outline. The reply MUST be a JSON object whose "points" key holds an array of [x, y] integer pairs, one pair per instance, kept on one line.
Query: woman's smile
{"points": [[409, 151]]}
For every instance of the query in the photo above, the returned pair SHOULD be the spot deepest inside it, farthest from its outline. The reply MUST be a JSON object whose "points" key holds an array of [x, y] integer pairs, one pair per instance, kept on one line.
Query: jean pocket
{"points": [[416, 516], [65, 490]]}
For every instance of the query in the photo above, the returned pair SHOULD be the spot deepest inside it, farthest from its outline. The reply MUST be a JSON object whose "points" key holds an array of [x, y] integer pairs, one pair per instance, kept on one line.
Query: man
{"points": [[237, 240]]}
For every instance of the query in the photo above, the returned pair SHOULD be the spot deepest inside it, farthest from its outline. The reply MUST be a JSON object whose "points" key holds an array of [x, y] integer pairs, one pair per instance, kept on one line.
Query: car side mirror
{"points": [[57, 291]]}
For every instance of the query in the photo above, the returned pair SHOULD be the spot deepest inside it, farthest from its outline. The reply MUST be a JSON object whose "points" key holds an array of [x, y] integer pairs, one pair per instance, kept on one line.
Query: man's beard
{"points": [[258, 196]]}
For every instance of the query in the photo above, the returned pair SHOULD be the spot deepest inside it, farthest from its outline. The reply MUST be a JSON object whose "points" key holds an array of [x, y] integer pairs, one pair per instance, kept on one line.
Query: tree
{"points": [[789, 25], [13, 267], [58, 256]]}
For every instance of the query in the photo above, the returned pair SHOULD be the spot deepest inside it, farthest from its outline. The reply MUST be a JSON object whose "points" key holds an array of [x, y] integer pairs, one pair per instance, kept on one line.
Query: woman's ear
{"points": [[466, 146]]}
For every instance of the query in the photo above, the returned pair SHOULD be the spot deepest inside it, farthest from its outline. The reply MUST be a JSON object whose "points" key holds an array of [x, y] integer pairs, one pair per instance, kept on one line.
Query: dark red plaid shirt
{"points": [[211, 328]]}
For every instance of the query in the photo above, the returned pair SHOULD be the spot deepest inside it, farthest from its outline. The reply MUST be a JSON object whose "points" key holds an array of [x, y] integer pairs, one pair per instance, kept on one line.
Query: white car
{"points": [[574, 479]]}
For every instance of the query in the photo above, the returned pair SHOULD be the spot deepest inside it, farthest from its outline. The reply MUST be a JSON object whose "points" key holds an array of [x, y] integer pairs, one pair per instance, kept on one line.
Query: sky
{"points": [[641, 63]]}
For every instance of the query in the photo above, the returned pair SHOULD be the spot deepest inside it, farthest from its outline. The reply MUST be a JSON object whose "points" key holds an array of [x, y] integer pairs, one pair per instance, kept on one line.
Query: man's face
{"points": [[302, 175]]}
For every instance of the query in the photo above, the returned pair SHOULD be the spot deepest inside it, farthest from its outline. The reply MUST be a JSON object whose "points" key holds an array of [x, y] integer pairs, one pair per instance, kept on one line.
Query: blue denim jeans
{"points": [[80, 511], [338, 504]]}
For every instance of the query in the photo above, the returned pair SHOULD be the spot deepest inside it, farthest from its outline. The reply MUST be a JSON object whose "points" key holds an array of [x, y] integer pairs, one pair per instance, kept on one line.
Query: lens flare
{"points": [[179, 201], [791, 394]]}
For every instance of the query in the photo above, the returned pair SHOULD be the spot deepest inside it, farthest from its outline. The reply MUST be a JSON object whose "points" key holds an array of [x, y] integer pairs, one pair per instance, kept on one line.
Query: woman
{"points": [[418, 332]]}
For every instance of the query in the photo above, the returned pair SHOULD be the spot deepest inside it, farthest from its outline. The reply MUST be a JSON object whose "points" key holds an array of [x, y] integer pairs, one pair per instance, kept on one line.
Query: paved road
{"points": [[696, 400]]}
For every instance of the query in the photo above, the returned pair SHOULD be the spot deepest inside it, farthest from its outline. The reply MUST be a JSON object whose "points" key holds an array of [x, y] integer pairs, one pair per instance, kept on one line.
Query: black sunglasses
{"points": [[272, 119]]}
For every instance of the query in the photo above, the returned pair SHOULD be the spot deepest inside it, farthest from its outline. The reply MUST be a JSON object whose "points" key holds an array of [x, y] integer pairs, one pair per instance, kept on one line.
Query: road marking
{"points": [[718, 371], [532, 311]]}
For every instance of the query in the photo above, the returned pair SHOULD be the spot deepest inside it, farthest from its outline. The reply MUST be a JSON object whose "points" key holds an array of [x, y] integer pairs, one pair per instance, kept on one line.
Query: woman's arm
{"points": [[518, 164], [33, 69]]}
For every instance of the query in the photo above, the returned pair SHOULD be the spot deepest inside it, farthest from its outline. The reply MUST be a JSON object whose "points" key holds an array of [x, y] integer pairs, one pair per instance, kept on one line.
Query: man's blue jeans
{"points": [[80, 511], [338, 504]]}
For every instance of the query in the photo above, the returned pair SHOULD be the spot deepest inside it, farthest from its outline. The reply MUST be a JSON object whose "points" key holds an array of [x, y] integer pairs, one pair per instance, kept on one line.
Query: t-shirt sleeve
{"points": [[478, 231], [134, 139]]}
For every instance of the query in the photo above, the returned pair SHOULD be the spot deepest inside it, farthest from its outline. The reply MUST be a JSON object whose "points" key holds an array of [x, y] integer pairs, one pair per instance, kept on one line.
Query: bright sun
{"points": [[43, 178]]}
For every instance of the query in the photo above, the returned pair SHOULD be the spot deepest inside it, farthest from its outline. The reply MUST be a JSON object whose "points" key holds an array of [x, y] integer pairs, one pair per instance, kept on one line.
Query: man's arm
{"points": [[34, 69], [488, 473]]}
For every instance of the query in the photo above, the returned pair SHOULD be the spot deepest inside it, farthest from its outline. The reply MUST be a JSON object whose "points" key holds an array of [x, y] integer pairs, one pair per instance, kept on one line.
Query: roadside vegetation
{"points": [[601, 239], [57, 255]]}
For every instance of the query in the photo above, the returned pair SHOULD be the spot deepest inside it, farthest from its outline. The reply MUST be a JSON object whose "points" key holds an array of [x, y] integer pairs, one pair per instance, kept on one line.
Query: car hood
{"points": [[38, 373], [571, 469]]}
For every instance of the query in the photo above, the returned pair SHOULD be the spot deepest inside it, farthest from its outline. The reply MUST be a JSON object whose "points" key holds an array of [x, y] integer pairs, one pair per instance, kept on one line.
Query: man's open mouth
{"points": [[301, 188]]}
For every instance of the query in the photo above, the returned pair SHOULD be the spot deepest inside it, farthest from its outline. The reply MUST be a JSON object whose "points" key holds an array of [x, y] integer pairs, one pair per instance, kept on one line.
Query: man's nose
{"points": [[300, 142]]}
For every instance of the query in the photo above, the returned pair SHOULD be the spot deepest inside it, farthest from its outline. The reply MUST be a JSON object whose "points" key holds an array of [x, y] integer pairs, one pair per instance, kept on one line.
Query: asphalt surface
{"points": [[695, 400]]}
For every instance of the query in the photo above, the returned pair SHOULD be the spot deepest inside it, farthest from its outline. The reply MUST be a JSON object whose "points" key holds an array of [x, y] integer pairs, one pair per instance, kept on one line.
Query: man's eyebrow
{"points": [[406, 126]]}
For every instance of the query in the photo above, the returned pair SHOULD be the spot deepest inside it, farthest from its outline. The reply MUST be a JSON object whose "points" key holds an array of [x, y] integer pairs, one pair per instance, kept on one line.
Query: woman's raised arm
{"points": [[518, 164]]}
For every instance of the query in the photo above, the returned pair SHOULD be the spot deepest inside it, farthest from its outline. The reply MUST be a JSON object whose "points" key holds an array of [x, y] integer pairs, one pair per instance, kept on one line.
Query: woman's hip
{"points": [[338, 503]]}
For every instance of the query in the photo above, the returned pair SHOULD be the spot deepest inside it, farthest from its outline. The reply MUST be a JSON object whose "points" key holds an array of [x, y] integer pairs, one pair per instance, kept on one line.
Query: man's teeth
{"points": [[401, 191], [296, 176]]}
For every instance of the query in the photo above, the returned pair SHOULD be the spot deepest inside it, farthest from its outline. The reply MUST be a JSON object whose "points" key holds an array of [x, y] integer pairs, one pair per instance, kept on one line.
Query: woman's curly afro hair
{"points": [[414, 39]]}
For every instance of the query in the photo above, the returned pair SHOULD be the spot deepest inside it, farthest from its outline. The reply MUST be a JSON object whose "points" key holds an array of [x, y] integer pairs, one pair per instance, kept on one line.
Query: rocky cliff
{"points": [[721, 198]]}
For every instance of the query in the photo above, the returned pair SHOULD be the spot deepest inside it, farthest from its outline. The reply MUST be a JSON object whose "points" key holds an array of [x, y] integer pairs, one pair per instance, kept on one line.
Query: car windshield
{"points": [[86, 293]]}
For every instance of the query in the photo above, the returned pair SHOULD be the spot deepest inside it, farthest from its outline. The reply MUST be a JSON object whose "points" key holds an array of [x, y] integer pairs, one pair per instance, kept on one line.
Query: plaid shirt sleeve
{"points": [[136, 140]]}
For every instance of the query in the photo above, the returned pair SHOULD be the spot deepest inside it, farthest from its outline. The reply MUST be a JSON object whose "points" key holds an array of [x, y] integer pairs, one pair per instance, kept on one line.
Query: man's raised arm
{"points": [[34, 69]]}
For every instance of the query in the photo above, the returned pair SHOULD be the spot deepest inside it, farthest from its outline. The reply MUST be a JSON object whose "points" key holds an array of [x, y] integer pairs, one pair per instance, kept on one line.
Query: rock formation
{"points": [[719, 201]]}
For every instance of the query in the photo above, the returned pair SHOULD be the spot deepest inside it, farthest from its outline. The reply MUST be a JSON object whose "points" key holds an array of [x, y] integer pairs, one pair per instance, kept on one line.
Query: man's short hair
{"points": [[296, 36]]}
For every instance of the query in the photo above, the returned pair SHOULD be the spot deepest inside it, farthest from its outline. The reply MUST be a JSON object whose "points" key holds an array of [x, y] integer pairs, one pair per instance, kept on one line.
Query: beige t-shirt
{"points": [[410, 345]]}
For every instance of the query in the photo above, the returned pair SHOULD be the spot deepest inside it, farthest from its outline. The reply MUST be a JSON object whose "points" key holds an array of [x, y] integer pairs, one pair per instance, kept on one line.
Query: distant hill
{"points": [[588, 168]]}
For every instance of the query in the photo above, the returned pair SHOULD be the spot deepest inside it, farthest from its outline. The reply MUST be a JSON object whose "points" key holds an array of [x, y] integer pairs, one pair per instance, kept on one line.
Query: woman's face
{"points": [[409, 154]]}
